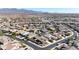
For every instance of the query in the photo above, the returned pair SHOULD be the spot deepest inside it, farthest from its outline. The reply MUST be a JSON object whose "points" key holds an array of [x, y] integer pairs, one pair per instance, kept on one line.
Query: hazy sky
{"points": [[56, 10]]}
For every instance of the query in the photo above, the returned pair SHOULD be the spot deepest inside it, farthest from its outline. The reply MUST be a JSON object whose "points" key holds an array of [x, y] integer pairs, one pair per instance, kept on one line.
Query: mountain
{"points": [[14, 10]]}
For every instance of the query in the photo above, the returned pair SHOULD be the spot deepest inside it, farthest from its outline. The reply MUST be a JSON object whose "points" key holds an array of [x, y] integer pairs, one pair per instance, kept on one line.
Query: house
{"points": [[24, 33], [20, 37], [31, 35]]}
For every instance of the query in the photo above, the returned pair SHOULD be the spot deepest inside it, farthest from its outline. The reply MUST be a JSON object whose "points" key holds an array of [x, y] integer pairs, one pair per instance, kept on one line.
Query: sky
{"points": [[56, 10]]}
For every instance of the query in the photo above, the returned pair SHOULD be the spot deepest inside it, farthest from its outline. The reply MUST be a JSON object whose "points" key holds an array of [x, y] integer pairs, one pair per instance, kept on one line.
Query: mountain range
{"points": [[14, 10]]}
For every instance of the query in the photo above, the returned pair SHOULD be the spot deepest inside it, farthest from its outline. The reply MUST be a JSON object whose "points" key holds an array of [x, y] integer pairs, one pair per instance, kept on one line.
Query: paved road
{"points": [[48, 47], [29, 43]]}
